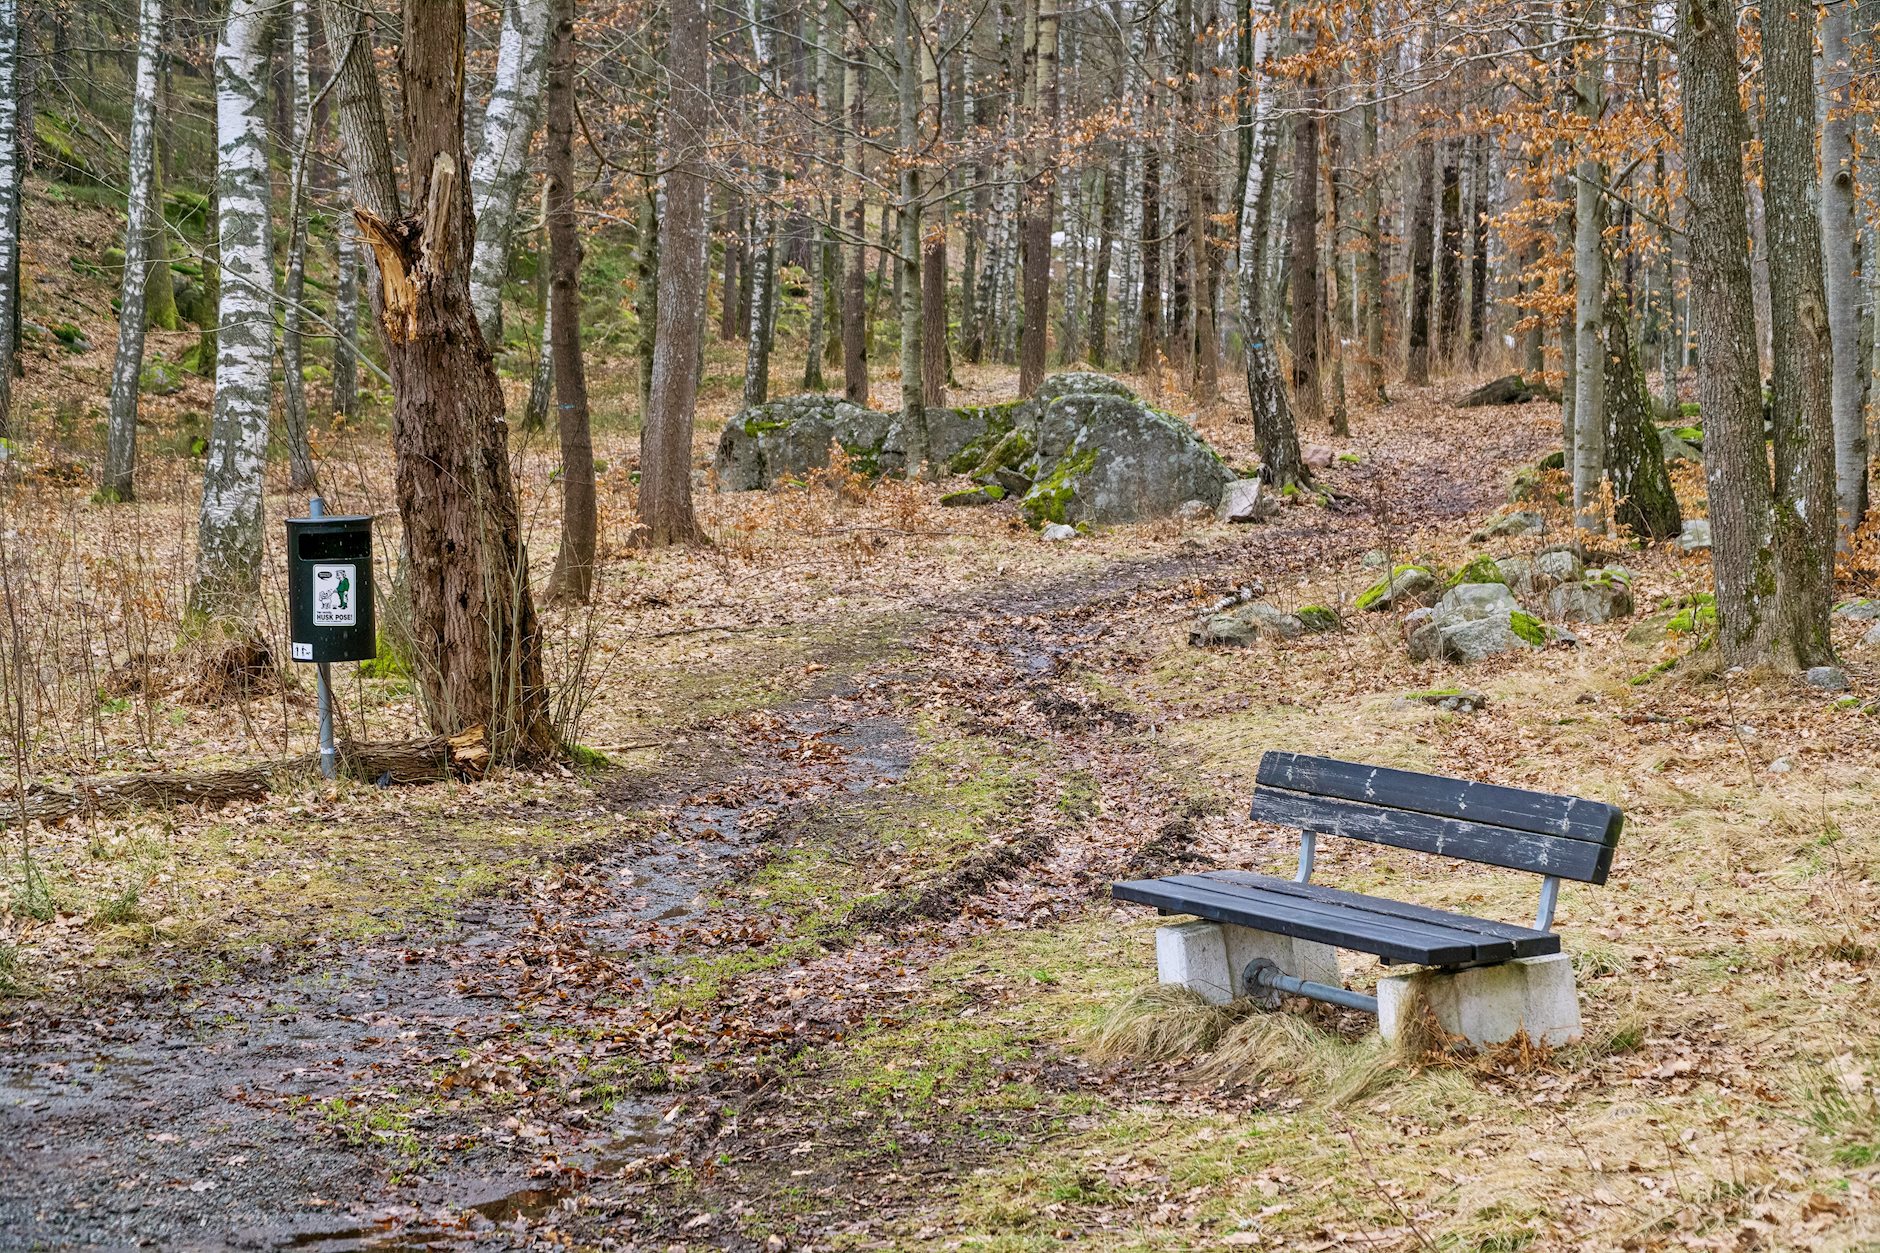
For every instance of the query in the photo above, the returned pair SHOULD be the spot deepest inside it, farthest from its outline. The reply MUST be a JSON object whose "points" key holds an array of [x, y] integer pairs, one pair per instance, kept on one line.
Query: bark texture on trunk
{"points": [[1040, 192], [294, 414], [475, 643], [120, 461], [1449, 257], [908, 244], [763, 267], [346, 308], [228, 538], [573, 576], [1422, 262], [1728, 386], [1643, 501], [933, 251], [1840, 241], [1801, 390], [855, 271], [1588, 450], [1478, 251], [1302, 260], [666, 441], [501, 162]]}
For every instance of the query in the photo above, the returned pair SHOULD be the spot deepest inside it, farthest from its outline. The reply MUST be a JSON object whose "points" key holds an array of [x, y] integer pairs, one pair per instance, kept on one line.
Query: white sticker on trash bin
{"points": [[303, 652], [335, 602]]}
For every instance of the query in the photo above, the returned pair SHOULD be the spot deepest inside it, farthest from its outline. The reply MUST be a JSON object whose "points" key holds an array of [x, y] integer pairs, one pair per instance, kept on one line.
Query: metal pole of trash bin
{"points": [[323, 685]]}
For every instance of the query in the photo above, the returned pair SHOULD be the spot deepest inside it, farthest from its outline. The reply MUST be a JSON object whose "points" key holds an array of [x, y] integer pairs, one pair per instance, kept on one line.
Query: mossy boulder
{"points": [[1475, 621], [1480, 570], [1319, 618], [1406, 584], [1083, 451]]}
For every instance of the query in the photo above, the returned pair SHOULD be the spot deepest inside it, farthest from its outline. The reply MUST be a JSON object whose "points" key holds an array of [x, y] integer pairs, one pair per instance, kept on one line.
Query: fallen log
{"points": [[1509, 389], [429, 759]]}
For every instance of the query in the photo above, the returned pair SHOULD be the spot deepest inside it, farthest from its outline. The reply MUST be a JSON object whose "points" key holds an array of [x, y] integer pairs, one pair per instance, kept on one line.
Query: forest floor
{"points": [[822, 956]]}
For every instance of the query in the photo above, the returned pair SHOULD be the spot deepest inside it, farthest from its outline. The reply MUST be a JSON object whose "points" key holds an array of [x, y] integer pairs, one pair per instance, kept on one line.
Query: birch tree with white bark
{"points": [[228, 556], [1589, 280], [496, 174], [120, 462], [294, 415], [1840, 241]]}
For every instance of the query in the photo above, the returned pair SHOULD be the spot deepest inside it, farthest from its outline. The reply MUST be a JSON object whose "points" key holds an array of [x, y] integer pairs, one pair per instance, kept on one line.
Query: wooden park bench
{"points": [[1486, 981]]}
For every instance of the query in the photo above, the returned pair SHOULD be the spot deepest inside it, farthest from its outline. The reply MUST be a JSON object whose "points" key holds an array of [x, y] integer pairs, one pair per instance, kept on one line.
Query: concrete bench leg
{"points": [[1490, 1004], [1208, 957]]}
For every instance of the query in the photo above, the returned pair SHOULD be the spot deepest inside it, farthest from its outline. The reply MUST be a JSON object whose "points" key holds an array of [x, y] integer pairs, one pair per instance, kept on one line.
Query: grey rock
{"points": [[1121, 462], [1374, 559], [1240, 626], [1827, 678], [1471, 622], [1560, 564], [1057, 532], [1479, 639], [1195, 511], [1595, 600], [1695, 536], [1515, 522], [1675, 449], [1406, 585], [1872, 638], [790, 437], [1014, 483], [1468, 602], [1244, 500], [1082, 383], [1862, 610]]}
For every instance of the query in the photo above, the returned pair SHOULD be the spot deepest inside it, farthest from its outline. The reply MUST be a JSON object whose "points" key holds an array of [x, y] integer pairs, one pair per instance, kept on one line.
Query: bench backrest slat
{"points": [[1482, 822]]}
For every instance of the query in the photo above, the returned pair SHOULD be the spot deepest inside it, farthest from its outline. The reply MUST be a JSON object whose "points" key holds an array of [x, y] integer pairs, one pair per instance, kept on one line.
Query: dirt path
{"points": [[430, 1091]]}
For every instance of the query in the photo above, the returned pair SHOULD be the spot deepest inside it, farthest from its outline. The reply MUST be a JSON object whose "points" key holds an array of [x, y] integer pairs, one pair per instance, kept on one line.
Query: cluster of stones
{"points": [[1500, 605], [1085, 450]]}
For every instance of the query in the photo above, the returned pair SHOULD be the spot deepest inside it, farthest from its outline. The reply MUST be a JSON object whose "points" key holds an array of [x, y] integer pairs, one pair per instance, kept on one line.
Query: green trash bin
{"points": [[329, 589]]}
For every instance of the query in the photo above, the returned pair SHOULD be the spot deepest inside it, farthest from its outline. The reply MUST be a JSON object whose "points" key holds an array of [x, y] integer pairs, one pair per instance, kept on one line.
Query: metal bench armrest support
{"points": [[1308, 852], [1550, 895]]}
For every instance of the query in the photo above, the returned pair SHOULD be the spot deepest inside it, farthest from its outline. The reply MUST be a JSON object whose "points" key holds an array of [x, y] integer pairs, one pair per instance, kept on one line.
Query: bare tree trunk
{"points": [[1449, 257], [1035, 232], [1478, 252], [346, 309], [474, 639], [1801, 405], [294, 415], [228, 543], [10, 172], [120, 464], [573, 576], [1588, 452], [1728, 382], [1149, 320], [1371, 260], [933, 250], [1275, 433], [1422, 259], [1840, 240], [763, 224], [855, 272], [666, 441], [496, 177], [1642, 495], [1100, 278], [1302, 259], [908, 211], [730, 301]]}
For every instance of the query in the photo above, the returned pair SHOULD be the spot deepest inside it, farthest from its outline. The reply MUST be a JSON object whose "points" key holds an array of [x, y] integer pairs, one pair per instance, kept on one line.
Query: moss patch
{"points": [[1050, 497], [1481, 570], [1528, 627], [1380, 589]]}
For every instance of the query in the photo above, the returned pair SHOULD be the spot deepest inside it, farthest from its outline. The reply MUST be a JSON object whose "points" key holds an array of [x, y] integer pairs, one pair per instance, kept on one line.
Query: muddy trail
{"points": [[277, 1110]]}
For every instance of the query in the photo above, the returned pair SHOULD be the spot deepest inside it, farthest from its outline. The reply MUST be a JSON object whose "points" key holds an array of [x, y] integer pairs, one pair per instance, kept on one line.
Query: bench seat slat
{"points": [[1359, 929], [1527, 941], [1539, 813], [1460, 838]]}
